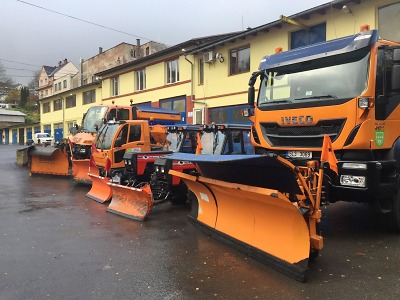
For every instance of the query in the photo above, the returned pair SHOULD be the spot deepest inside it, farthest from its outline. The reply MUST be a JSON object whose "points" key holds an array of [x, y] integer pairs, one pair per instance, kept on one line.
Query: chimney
{"points": [[59, 63], [138, 52], [100, 50], [65, 61]]}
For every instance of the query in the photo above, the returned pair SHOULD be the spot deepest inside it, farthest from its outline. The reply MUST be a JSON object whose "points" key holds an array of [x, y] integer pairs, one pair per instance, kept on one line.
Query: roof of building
{"points": [[11, 112], [190, 43], [305, 15], [49, 69]]}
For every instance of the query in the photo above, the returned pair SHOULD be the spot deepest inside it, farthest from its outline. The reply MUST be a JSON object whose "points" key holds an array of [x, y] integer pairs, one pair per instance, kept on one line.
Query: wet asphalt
{"points": [[55, 243]]}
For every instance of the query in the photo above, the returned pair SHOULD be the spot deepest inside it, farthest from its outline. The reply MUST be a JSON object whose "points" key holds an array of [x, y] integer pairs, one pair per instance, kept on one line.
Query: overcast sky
{"points": [[32, 35]]}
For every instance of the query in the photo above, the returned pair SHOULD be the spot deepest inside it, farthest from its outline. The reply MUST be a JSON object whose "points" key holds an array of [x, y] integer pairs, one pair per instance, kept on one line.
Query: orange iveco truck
{"points": [[326, 128]]}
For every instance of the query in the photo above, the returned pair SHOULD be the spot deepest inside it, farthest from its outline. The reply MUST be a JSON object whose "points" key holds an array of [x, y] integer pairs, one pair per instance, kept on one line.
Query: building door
{"points": [[7, 136], [14, 136], [28, 134], [21, 136], [58, 132], [47, 129], [178, 104]]}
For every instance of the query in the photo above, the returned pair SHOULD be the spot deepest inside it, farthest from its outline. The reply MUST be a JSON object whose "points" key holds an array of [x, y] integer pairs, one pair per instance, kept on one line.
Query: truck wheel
{"points": [[394, 215], [179, 194]]}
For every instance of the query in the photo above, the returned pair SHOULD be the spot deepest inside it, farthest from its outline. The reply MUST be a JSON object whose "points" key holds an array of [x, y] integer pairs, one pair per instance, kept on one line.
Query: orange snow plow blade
{"points": [[100, 191], [130, 202], [48, 160], [262, 206], [80, 170]]}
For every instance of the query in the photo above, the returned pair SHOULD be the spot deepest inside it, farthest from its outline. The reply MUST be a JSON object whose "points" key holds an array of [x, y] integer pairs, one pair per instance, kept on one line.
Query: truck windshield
{"points": [[294, 84], [93, 117], [105, 137], [212, 142], [174, 140]]}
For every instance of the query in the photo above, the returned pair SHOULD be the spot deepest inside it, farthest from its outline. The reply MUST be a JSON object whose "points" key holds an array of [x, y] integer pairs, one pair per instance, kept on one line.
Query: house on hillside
{"points": [[52, 79]]}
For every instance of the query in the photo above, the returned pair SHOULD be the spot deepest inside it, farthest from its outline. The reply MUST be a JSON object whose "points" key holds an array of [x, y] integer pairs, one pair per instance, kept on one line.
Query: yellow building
{"points": [[206, 79], [208, 83]]}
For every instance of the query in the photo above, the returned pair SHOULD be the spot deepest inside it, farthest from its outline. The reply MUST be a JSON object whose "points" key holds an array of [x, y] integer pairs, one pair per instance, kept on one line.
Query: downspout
{"points": [[191, 74], [192, 81]]}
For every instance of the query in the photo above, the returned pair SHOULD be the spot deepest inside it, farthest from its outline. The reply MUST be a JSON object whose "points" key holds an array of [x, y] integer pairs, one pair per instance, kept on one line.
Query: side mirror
{"points": [[251, 96]]}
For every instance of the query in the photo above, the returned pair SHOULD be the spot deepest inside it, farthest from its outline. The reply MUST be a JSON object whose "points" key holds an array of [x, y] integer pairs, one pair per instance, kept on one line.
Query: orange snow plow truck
{"points": [[55, 161], [117, 138], [326, 128]]}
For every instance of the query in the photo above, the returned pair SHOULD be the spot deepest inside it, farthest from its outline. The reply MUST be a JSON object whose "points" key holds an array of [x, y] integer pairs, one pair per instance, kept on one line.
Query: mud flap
{"points": [[131, 202], [80, 170], [48, 160], [100, 191]]}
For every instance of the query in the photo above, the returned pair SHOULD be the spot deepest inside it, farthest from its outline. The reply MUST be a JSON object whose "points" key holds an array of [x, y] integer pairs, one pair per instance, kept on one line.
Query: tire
{"points": [[179, 194], [394, 215]]}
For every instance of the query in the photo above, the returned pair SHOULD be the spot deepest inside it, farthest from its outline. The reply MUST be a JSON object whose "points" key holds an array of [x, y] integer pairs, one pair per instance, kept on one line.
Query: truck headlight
{"points": [[363, 102], [350, 180]]}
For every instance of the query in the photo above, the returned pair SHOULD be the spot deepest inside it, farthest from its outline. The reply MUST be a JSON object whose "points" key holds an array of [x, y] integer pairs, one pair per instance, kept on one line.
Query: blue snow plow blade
{"points": [[253, 170]]}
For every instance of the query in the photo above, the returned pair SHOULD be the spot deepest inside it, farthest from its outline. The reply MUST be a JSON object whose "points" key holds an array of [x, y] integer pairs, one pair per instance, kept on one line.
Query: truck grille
{"points": [[301, 136]]}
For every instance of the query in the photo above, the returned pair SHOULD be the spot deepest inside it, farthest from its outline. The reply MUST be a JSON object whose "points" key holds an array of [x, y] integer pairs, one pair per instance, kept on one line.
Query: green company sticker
{"points": [[379, 137]]}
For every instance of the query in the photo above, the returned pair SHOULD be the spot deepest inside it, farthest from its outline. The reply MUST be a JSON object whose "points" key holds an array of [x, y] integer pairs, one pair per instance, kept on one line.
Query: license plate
{"points": [[299, 154]]}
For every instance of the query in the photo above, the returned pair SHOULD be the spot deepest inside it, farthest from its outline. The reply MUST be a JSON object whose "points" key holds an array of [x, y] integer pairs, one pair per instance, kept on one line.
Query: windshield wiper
{"points": [[277, 101], [317, 97]]}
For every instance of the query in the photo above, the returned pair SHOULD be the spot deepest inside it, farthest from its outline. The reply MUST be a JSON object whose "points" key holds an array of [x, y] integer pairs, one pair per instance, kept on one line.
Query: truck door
{"points": [[130, 138], [387, 90]]}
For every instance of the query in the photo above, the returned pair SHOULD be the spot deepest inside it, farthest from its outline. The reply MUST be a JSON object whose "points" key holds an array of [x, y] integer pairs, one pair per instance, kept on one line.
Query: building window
{"points": [[388, 22], [141, 80], [71, 127], [201, 71], [64, 84], [89, 97], [55, 87], [59, 86], [47, 128], [114, 86], [47, 92], [46, 107], [239, 60], [230, 114], [57, 104], [70, 101], [178, 104], [147, 51], [302, 38], [172, 71]]}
